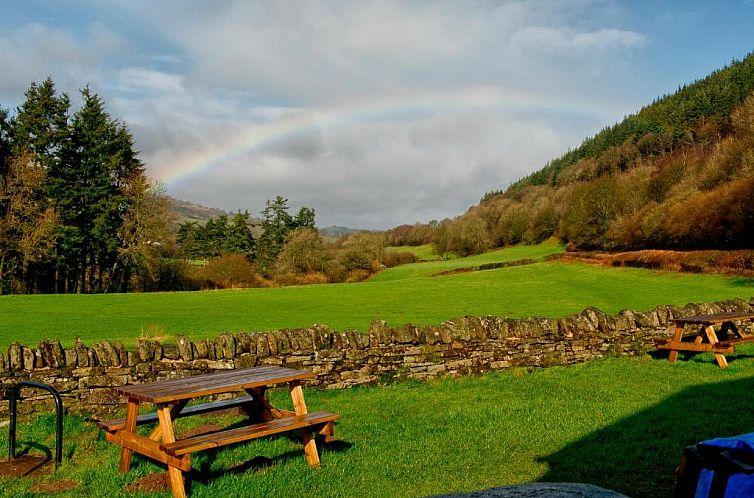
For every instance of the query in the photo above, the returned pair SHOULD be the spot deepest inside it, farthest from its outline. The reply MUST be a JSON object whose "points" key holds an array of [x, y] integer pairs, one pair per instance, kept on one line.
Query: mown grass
{"points": [[618, 423], [430, 268], [424, 252], [399, 295]]}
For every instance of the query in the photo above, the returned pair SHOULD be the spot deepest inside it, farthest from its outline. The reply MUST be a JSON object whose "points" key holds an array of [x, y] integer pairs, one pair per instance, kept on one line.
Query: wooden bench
{"points": [[315, 421], [706, 338], [204, 408]]}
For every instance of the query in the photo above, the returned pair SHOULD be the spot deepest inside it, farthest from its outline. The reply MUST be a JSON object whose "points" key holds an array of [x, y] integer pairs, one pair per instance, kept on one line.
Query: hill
{"points": [[678, 174], [337, 231], [186, 211]]}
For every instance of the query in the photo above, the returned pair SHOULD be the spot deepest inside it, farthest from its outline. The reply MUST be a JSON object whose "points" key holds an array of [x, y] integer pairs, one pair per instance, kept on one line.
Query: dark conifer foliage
{"points": [[84, 174]]}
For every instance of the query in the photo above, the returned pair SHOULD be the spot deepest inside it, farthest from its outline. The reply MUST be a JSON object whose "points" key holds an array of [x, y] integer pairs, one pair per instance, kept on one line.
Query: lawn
{"points": [[424, 252], [398, 295], [618, 423]]}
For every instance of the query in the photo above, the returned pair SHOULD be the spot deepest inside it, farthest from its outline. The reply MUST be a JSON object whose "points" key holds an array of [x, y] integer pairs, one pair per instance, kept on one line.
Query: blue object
{"points": [[739, 484]]}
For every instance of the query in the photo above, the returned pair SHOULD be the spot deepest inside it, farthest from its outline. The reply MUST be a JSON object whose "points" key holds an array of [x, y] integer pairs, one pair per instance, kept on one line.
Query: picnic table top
{"points": [[715, 318], [204, 385]]}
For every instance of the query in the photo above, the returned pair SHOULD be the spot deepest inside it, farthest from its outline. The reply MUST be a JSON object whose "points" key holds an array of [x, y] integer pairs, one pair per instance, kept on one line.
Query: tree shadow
{"points": [[637, 456]]}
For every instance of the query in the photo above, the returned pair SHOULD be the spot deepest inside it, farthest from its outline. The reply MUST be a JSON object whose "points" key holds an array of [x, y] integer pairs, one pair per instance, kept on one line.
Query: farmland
{"points": [[398, 295]]}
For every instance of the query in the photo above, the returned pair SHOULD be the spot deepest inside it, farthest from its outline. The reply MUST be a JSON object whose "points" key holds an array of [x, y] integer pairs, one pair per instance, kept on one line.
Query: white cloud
{"points": [[412, 110]]}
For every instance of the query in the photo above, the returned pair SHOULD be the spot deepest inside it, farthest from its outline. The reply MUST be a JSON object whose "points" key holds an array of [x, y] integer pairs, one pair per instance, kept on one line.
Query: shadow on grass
{"points": [[204, 475], [637, 456]]}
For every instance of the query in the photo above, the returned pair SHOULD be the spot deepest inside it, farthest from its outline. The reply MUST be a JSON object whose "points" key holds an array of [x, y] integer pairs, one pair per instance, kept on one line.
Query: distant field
{"points": [[425, 252], [398, 295], [429, 268]]}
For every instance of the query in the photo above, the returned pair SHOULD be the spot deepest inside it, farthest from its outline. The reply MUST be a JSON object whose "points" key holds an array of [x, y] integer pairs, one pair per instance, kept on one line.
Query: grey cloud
{"points": [[227, 69]]}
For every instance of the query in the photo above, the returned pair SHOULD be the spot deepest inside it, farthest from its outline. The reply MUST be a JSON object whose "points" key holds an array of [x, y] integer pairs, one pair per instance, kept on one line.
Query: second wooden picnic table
{"points": [[171, 397], [706, 339]]}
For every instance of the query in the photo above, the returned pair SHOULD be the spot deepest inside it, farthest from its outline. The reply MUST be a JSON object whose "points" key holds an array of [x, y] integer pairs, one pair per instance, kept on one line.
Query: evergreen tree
{"points": [[5, 142], [87, 185], [238, 237], [276, 223], [41, 124]]}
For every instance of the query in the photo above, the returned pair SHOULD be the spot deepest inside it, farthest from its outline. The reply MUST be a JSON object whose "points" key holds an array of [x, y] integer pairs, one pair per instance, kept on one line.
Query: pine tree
{"points": [[41, 124]]}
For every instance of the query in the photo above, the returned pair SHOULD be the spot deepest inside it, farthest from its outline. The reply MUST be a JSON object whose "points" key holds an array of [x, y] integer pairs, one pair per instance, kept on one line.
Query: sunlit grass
{"points": [[399, 295], [619, 423]]}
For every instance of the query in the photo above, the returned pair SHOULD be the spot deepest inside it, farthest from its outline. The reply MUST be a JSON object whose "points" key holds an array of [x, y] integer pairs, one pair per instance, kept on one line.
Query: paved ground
{"points": [[542, 490]]}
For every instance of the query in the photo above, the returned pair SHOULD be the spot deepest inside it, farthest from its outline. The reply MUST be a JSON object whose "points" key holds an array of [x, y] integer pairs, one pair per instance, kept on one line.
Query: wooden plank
{"points": [[205, 385], [712, 338], [743, 340], [246, 433], [310, 444], [132, 411], [168, 436], [719, 347], [200, 409], [715, 318], [328, 431], [677, 336], [148, 448]]}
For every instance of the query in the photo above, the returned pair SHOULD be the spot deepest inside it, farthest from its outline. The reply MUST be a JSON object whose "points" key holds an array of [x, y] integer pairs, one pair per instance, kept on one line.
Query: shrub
{"points": [[229, 271], [392, 259]]}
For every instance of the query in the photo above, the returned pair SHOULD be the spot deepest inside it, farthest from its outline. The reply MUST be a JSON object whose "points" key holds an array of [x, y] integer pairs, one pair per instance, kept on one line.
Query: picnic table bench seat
{"points": [[314, 420], [149, 418]]}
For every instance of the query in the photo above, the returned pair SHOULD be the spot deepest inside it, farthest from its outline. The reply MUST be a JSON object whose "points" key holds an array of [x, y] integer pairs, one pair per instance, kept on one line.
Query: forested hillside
{"points": [[678, 174]]}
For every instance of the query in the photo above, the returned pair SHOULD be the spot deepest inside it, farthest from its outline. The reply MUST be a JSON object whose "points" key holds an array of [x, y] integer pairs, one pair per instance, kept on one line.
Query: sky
{"points": [[374, 113]]}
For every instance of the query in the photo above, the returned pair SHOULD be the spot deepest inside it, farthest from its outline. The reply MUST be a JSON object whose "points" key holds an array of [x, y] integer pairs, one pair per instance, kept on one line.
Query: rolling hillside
{"points": [[678, 174]]}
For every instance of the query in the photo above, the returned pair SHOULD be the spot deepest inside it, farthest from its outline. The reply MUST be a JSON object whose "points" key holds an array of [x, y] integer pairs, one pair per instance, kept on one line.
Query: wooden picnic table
{"points": [[172, 396], [706, 339]]}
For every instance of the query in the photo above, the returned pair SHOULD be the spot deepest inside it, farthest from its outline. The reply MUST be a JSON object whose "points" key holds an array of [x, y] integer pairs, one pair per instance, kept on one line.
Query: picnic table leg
{"points": [[329, 432], [156, 433], [299, 405], [168, 436], [260, 409], [677, 336], [712, 337], [132, 411]]}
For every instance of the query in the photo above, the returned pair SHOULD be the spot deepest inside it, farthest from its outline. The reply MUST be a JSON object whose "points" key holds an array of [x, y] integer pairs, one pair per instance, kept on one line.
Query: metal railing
{"points": [[15, 395]]}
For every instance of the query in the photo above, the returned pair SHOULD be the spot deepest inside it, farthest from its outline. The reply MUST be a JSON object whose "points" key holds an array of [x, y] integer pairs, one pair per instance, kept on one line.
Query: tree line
{"points": [[77, 213]]}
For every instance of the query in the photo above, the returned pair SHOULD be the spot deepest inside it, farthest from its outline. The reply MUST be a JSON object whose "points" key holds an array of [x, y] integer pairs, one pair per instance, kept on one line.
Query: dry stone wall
{"points": [[471, 345]]}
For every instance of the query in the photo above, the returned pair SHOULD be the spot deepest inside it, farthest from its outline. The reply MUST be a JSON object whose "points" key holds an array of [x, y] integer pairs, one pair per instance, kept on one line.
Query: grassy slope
{"points": [[424, 252], [399, 295], [618, 423]]}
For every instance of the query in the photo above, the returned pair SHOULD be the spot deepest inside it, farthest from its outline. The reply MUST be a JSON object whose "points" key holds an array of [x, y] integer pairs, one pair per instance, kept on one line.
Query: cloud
{"points": [[375, 113], [35, 51]]}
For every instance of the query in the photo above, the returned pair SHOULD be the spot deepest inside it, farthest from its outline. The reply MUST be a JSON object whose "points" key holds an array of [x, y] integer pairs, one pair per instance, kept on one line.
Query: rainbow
{"points": [[256, 136]]}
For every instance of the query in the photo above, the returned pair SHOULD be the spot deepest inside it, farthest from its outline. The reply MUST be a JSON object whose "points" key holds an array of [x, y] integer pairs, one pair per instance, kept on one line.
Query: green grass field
{"points": [[618, 423], [398, 295], [424, 252]]}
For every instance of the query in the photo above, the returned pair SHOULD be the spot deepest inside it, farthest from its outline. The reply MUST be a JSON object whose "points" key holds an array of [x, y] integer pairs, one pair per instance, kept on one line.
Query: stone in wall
{"points": [[105, 354], [225, 347], [82, 353], [52, 354], [15, 357], [185, 349]]}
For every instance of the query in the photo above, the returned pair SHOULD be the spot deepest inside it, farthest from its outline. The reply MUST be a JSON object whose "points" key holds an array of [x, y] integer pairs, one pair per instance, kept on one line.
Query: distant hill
{"points": [[187, 211], [678, 174], [336, 231]]}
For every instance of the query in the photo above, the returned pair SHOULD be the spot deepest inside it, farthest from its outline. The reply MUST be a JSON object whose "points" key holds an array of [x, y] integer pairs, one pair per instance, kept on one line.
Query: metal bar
{"points": [[15, 396]]}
